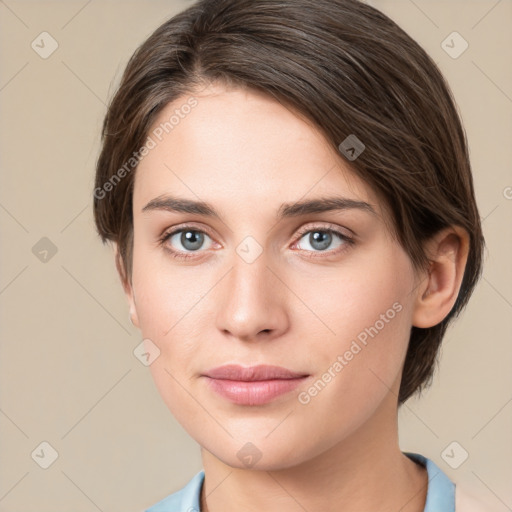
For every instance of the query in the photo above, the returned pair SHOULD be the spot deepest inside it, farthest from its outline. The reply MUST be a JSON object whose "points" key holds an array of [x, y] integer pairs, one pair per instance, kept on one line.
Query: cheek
{"points": [[369, 311], [171, 301], [361, 365], [369, 298], [167, 298]]}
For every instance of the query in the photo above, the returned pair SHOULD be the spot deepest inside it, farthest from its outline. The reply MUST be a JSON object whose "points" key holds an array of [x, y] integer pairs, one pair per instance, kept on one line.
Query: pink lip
{"points": [[254, 385]]}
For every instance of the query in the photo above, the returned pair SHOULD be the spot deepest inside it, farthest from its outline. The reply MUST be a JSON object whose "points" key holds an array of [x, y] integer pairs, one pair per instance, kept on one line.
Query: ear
{"points": [[127, 286], [439, 287]]}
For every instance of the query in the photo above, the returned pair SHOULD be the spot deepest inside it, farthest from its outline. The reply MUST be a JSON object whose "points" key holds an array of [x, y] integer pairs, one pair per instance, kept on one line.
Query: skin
{"points": [[294, 306]]}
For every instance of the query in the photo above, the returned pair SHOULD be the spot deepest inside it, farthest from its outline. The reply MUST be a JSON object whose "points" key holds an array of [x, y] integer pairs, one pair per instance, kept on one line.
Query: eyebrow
{"points": [[286, 210]]}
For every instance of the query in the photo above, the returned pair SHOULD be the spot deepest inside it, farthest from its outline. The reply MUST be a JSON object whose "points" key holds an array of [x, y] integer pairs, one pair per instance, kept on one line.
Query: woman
{"points": [[289, 195]]}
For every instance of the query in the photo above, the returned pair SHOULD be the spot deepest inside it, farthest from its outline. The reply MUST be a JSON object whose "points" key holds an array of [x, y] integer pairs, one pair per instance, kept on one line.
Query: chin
{"points": [[259, 455]]}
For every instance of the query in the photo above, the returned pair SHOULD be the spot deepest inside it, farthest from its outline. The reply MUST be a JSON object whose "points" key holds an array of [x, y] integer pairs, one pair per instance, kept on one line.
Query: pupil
{"points": [[320, 239], [191, 240]]}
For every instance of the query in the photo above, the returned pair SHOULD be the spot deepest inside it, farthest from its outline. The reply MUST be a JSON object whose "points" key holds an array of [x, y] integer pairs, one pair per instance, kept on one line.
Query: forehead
{"points": [[241, 147]]}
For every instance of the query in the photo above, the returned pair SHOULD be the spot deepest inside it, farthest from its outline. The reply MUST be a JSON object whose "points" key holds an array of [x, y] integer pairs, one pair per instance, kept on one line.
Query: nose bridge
{"points": [[250, 279], [251, 300]]}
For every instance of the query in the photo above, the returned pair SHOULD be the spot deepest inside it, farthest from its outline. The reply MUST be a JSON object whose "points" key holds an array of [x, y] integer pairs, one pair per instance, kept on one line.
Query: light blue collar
{"points": [[440, 492]]}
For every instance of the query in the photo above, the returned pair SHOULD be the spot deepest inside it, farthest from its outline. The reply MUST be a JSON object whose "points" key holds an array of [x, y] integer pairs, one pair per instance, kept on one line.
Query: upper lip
{"points": [[252, 373]]}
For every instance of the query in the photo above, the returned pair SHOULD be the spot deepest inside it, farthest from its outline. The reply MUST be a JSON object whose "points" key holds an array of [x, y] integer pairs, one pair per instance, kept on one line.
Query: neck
{"points": [[365, 471]]}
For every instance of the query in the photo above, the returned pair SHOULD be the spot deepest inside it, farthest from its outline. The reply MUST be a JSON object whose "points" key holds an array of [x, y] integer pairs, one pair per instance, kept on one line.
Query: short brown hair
{"points": [[346, 67]]}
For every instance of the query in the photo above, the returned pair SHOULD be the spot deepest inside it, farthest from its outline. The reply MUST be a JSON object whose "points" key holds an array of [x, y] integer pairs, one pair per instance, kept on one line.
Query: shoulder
{"points": [[465, 501], [185, 500]]}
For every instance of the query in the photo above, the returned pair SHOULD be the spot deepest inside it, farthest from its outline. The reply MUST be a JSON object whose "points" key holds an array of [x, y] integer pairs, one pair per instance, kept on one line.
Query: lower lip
{"points": [[253, 392]]}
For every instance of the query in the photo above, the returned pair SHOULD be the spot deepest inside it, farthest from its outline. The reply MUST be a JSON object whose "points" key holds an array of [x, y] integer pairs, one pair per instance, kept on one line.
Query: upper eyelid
{"points": [[178, 229], [326, 227]]}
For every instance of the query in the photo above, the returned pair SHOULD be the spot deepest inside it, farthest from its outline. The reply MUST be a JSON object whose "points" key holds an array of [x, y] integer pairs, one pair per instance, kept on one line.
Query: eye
{"points": [[190, 239], [323, 240], [184, 241]]}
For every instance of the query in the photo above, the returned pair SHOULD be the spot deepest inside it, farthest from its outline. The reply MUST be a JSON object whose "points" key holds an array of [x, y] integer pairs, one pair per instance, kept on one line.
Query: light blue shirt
{"points": [[440, 491]]}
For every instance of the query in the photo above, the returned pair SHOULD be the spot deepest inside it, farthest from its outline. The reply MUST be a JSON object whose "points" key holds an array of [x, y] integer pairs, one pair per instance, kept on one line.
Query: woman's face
{"points": [[261, 282]]}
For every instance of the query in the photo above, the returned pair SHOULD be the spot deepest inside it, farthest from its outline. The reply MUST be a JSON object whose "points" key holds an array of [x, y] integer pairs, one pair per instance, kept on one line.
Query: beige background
{"points": [[68, 373]]}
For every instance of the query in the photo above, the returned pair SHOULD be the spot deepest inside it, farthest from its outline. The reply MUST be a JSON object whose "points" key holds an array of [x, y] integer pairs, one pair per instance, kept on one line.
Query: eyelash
{"points": [[329, 228]]}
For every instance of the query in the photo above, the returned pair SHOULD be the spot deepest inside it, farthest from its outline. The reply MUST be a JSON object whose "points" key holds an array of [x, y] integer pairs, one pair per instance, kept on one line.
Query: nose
{"points": [[251, 302]]}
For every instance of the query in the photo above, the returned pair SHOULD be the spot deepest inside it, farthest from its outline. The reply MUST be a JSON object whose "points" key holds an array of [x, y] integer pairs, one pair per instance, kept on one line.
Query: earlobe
{"points": [[134, 318], [127, 287], [440, 285]]}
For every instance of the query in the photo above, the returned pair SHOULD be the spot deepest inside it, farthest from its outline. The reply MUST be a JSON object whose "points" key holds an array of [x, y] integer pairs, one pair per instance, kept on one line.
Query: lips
{"points": [[252, 373], [255, 385]]}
